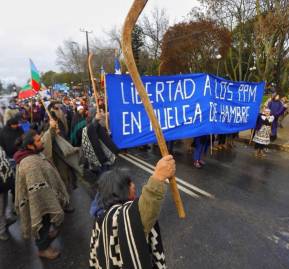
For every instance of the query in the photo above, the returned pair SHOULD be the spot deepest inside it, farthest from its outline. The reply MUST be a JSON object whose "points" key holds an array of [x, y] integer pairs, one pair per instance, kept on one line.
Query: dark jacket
{"points": [[8, 137]]}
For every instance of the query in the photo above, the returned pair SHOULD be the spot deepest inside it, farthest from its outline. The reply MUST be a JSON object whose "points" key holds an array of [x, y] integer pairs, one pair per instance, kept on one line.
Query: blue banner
{"points": [[186, 106]]}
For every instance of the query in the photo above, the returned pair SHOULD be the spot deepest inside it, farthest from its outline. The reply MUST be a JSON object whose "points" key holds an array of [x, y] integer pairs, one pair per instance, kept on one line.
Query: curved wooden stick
{"points": [[130, 22], [93, 82]]}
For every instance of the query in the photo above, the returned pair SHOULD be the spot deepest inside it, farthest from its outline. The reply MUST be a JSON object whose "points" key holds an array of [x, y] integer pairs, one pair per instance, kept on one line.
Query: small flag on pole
{"points": [[117, 67], [35, 77]]}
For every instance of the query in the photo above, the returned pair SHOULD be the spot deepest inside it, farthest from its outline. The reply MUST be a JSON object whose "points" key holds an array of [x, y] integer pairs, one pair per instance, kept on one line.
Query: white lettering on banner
{"points": [[246, 93], [177, 120], [132, 90], [122, 94], [160, 87], [216, 89], [170, 117], [230, 93], [213, 112], [186, 81], [124, 124], [179, 91], [147, 90], [186, 120], [137, 97], [234, 114], [252, 92], [129, 123], [170, 82], [207, 86], [223, 91], [198, 113]]}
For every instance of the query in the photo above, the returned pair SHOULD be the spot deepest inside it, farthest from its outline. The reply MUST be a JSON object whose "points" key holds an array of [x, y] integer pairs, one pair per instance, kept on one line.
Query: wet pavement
{"points": [[237, 217]]}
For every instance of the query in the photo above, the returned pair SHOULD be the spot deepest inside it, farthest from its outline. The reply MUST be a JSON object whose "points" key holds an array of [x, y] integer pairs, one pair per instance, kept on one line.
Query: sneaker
{"points": [[4, 236], [197, 165], [202, 162], [49, 253]]}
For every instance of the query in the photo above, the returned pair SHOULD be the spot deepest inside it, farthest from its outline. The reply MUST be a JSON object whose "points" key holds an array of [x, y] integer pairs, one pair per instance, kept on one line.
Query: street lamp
{"points": [[218, 57], [252, 69]]}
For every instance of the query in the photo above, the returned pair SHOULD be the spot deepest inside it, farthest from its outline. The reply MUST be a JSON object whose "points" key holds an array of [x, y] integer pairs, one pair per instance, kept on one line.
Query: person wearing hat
{"points": [[263, 132], [78, 123], [11, 111]]}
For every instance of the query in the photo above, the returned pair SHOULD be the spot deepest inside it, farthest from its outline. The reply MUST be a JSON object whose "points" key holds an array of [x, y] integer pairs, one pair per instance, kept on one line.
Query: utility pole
{"points": [[87, 49]]}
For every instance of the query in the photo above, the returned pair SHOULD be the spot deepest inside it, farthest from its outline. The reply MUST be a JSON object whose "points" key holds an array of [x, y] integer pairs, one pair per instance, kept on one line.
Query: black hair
{"points": [[28, 139], [14, 120], [113, 187]]}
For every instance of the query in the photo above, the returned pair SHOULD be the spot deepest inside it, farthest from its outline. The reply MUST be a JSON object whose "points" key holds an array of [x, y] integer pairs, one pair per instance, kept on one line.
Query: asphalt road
{"points": [[237, 215]]}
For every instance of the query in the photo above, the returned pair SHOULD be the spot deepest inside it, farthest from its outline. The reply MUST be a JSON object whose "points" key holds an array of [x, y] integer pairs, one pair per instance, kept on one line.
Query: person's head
{"points": [[66, 101], [116, 187], [32, 141], [13, 122], [267, 112], [276, 97], [91, 115], [80, 110]]}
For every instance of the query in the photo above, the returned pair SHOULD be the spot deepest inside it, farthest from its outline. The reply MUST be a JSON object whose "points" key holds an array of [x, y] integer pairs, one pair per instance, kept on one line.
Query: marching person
{"points": [[262, 132], [78, 123], [9, 135], [99, 151], [277, 109], [201, 147], [7, 176], [41, 195], [126, 233]]}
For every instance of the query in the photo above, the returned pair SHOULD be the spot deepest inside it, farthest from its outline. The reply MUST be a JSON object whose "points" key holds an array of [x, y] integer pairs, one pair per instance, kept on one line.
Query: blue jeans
{"points": [[200, 148]]}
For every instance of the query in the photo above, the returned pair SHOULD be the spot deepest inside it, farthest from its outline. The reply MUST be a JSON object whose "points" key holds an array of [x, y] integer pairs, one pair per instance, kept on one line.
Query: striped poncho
{"points": [[118, 241]]}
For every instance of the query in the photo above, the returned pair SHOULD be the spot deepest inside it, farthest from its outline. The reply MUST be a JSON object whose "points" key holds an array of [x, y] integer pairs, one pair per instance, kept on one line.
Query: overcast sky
{"points": [[35, 28]]}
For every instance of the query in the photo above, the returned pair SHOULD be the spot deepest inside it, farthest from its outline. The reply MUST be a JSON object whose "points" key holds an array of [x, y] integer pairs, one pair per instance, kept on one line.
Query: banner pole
{"points": [[211, 142], [131, 19], [105, 105], [93, 82], [31, 113], [251, 137]]}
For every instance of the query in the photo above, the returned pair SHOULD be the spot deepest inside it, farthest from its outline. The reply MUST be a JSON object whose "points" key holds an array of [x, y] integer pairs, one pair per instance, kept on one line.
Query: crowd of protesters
{"points": [[47, 146]]}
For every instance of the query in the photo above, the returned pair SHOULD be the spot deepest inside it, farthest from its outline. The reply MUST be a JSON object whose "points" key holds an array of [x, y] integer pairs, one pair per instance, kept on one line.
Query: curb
{"points": [[271, 146]]}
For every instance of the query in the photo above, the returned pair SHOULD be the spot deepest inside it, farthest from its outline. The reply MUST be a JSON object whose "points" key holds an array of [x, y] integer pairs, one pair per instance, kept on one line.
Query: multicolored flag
{"points": [[35, 77], [26, 92], [117, 67]]}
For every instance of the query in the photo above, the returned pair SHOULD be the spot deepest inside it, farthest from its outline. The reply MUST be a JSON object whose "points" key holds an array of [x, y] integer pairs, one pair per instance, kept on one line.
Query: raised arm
{"points": [[154, 191]]}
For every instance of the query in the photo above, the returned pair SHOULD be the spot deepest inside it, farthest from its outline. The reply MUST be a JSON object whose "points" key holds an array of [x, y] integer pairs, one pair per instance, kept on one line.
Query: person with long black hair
{"points": [[126, 233]]}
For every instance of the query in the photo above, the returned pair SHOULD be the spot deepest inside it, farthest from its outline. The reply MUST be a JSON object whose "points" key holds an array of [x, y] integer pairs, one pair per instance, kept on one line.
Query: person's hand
{"points": [[98, 116], [165, 168], [53, 124]]}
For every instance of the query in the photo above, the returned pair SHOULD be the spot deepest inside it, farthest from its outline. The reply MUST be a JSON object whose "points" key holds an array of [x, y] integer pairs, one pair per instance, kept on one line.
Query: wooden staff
{"points": [[129, 24], [105, 106], [93, 82], [46, 109], [252, 135], [31, 112], [211, 142]]}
